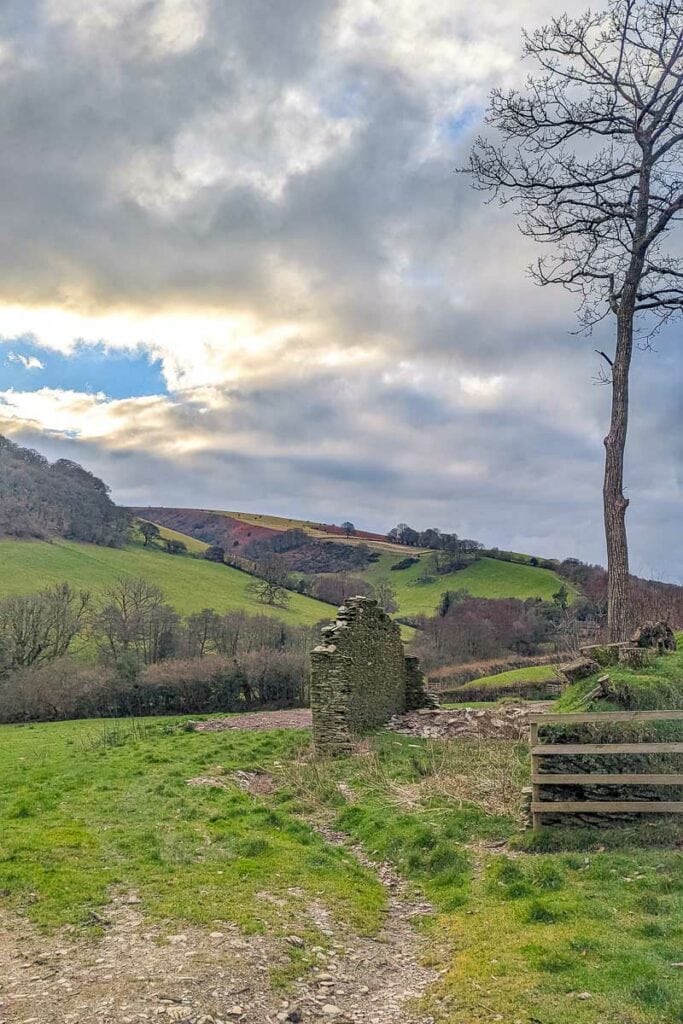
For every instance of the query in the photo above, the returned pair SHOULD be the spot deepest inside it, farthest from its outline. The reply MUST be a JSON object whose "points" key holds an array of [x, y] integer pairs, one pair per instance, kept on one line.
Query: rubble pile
{"points": [[507, 722]]}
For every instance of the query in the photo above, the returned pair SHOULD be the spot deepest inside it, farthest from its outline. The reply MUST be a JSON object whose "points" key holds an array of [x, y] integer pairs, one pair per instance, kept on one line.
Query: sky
{"points": [[240, 271]]}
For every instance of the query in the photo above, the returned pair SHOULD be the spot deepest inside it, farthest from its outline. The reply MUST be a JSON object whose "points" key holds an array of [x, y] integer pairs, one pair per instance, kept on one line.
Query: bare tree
{"points": [[591, 154], [384, 593], [134, 619], [273, 580], [348, 528], [37, 628]]}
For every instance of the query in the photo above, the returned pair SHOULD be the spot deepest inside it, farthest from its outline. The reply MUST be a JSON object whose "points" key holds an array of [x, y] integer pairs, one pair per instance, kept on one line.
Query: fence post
{"points": [[535, 767]]}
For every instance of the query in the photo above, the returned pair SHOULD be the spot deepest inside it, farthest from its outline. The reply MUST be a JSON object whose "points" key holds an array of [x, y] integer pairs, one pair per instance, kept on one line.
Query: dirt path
{"points": [[294, 718], [187, 975]]}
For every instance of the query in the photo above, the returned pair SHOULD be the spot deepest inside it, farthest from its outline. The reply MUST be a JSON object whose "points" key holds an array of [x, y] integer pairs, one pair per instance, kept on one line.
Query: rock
{"points": [[604, 654], [235, 1011], [637, 657], [581, 668], [329, 1009], [659, 635], [295, 940]]}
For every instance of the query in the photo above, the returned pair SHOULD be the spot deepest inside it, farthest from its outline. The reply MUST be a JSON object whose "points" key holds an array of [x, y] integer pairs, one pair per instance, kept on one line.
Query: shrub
{"points": [[405, 563], [66, 689]]}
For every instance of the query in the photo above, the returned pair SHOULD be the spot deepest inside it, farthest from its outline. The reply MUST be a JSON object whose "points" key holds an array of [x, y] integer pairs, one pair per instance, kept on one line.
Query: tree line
{"points": [[148, 659], [40, 499]]}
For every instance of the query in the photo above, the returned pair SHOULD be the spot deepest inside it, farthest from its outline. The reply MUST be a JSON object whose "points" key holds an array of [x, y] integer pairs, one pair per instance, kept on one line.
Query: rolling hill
{"points": [[487, 577], [234, 530], [189, 584]]}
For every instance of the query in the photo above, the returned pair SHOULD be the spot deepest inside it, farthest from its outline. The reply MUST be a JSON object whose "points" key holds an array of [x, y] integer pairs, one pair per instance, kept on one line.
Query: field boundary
{"points": [[540, 750]]}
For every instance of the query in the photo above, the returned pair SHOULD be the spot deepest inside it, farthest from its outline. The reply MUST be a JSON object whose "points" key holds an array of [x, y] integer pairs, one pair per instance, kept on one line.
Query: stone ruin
{"points": [[361, 676]]}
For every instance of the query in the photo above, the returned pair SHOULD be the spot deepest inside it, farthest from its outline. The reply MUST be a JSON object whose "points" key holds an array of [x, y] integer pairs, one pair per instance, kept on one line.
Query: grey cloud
{"points": [[395, 251]]}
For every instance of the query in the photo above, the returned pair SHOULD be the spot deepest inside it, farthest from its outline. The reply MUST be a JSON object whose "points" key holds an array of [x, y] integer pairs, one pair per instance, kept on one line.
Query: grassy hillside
{"points": [[194, 546], [319, 531], [189, 584], [487, 577], [659, 685], [528, 683]]}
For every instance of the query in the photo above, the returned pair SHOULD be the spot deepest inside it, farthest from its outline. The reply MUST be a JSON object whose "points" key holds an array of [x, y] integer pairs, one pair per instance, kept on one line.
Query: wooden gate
{"points": [[540, 750]]}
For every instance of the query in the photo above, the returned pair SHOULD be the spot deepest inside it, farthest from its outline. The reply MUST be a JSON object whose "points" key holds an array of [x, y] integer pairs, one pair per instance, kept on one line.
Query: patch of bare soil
{"points": [[295, 718], [507, 722], [137, 971]]}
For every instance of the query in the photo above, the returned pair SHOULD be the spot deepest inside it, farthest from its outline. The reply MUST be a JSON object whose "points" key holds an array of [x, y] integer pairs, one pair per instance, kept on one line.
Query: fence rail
{"points": [[539, 779]]}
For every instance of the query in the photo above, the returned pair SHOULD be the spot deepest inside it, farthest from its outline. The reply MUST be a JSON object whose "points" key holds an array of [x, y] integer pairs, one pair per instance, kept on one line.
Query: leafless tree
{"points": [[273, 580], [591, 154], [134, 619], [384, 593], [38, 628]]}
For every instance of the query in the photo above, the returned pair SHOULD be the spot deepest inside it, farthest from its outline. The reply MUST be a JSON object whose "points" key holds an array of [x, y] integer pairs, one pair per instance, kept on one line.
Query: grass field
{"points": [[660, 685], [570, 927], [512, 678], [189, 584], [194, 546], [487, 577]]}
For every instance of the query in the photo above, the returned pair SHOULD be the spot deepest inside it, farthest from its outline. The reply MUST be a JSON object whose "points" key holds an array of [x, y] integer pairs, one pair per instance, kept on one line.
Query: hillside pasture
{"points": [[194, 546], [189, 584], [528, 683], [486, 577]]}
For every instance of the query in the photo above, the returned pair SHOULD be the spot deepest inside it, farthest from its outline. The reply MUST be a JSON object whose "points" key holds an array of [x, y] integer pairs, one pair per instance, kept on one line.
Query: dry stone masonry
{"points": [[360, 676]]}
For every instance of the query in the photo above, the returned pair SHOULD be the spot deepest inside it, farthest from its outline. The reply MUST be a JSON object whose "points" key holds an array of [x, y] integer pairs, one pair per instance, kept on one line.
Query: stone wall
{"points": [[360, 676]]}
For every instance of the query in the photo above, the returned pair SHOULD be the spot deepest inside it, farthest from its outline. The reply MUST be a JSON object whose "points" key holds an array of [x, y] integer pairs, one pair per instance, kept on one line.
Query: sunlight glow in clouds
{"points": [[259, 200], [195, 347]]}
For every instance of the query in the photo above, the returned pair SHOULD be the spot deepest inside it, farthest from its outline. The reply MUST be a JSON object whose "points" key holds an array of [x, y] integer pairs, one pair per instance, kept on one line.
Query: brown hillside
{"points": [[211, 527]]}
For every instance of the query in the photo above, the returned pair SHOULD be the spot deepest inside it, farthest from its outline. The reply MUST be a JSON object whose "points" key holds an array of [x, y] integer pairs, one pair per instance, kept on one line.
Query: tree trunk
{"points": [[615, 504]]}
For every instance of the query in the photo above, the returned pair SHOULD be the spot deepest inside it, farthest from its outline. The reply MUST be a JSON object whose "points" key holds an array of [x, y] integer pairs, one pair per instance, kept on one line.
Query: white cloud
{"points": [[28, 362], [164, 26]]}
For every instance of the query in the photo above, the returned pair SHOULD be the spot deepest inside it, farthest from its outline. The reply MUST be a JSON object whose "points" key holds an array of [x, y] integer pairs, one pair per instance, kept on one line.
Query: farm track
{"points": [[137, 971]]}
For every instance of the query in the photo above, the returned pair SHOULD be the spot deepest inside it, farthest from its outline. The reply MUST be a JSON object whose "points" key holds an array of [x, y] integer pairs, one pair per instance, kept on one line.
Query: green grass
{"points": [[194, 546], [91, 808], [569, 938], [657, 686], [189, 584], [520, 681], [570, 926], [487, 577], [535, 673]]}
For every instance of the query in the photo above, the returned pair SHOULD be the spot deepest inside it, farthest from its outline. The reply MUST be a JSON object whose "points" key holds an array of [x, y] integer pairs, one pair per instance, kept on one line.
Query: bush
{"points": [[405, 563], [66, 689]]}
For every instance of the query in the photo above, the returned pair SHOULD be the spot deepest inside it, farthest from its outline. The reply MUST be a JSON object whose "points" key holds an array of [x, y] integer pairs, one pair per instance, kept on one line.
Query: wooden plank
{"points": [[535, 769], [597, 779], [572, 718], [552, 749], [609, 807]]}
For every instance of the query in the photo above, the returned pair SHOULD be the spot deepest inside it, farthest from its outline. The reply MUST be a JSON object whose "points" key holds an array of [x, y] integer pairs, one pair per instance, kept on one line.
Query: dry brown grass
{"points": [[488, 773]]}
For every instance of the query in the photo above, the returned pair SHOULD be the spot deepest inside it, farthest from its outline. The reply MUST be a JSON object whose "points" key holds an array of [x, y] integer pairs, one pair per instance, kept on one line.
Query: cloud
{"points": [[262, 198], [28, 362]]}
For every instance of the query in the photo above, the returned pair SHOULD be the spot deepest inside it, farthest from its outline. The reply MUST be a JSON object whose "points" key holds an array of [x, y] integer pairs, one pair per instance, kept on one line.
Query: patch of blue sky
{"points": [[454, 126], [26, 366], [347, 102]]}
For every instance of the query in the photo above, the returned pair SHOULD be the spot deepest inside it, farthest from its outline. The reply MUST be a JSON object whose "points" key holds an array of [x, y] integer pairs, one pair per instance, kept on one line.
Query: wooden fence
{"points": [[541, 750]]}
